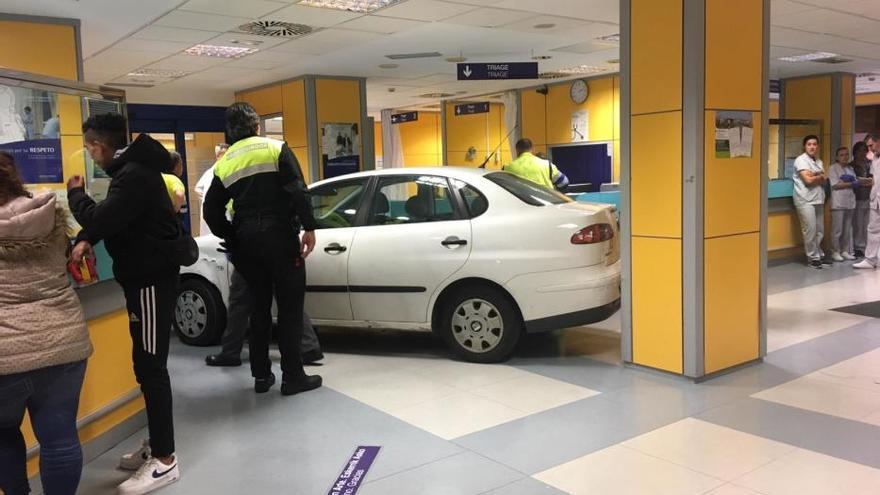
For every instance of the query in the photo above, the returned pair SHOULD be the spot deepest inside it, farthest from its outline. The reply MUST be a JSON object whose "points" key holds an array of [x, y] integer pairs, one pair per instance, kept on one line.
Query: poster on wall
{"points": [[38, 160], [340, 149], [580, 126], [37, 156], [734, 134]]}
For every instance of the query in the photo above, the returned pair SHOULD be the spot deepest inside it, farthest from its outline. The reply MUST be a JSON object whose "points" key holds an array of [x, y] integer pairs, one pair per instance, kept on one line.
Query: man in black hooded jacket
{"points": [[135, 221]]}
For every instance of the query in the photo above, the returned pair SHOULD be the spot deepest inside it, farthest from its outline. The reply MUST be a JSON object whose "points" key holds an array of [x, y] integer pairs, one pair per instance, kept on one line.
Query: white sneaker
{"points": [[848, 257], [864, 265], [151, 476], [136, 459], [836, 257]]}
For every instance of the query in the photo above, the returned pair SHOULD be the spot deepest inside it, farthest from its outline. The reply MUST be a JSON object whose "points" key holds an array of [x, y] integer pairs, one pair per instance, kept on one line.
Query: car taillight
{"points": [[599, 232]]}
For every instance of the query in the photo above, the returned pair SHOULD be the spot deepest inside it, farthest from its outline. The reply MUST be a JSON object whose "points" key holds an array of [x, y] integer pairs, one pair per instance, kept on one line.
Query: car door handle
{"points": [[335, 248], [453, 241]]}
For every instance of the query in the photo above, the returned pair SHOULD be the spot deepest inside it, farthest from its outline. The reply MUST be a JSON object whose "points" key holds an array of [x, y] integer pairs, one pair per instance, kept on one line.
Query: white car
{"points": [[477, 256]]}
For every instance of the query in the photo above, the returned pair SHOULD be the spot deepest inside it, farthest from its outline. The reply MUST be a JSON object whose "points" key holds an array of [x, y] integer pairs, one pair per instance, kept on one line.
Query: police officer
{"points": [[263, 178], [530, 167]]}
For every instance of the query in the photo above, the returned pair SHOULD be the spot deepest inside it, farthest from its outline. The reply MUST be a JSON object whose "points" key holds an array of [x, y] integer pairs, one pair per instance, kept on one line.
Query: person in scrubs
{"points": [[871, 252], [809, 200], [844, 183]]}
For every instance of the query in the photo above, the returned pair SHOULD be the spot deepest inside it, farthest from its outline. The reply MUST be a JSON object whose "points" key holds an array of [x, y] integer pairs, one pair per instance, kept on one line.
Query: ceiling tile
{"points": [[582, 48], [249, 8], [262, 42], [426, 10], [313, 16], [199, 20], [152, 46], [489, 17], [382, 25], [219, 74], [783, 8], [594, 10], [120, 61], [481, 3], [162, 33], [327, 41], [253, 63], [188, 62]]}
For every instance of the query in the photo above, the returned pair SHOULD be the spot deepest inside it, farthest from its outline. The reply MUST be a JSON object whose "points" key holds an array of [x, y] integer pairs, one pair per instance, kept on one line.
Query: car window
{"points": [[411, 199], [474, 201], [527, 191], [336, 205]]}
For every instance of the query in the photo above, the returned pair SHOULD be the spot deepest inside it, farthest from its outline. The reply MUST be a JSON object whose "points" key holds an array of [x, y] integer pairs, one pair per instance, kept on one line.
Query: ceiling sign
{"points": [[500, 71]]}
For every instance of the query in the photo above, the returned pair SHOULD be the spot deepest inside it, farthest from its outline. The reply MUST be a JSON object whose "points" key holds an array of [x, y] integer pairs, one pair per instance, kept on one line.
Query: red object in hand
{"points": [[84, 272]]}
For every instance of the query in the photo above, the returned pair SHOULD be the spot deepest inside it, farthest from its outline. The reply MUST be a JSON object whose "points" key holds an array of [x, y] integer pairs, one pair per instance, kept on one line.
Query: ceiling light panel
{"points": [[220, 51], [160, 73], [360, 6], [808, 57]]}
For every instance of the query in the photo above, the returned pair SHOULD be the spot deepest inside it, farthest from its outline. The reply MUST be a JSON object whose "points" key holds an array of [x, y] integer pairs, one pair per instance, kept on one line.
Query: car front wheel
{"points": [[480, 324], [199, 315]]}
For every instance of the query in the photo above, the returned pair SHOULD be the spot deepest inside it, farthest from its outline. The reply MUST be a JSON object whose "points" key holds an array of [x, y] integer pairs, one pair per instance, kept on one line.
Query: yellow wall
{"points": [[338, 101], [867, 99], [810, 98], [483, 131], [266, 100], [421, 141], [48, 49], [377, 138], [293, 105]]}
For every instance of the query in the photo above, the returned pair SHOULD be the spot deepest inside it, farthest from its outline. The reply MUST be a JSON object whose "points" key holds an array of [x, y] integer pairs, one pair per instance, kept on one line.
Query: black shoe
{"points": [[262, 385], [816, 264], [222, 360], [301, 385], [312, 357], [827, 261], [858, 253]]}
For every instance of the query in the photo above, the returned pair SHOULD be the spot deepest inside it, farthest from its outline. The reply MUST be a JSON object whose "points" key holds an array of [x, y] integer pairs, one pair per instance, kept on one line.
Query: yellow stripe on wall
{"points": [[656, 175], [657, 303], [733, 77], [732, 275]]}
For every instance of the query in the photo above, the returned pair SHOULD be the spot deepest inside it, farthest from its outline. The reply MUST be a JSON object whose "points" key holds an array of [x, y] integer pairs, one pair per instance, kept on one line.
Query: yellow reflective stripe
{"points": [[249, 171]]}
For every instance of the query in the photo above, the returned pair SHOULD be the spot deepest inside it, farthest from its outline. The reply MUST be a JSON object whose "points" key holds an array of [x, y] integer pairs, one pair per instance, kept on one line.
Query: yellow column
{"points": [[692, 216]]}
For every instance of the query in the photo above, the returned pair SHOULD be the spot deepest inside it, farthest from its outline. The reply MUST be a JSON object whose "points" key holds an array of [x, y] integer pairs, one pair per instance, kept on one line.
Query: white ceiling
{"points": [[120, 36]]}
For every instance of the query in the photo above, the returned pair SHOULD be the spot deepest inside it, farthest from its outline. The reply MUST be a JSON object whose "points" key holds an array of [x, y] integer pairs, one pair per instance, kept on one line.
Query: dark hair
{"points": [[859, 146], [110, 128], [27, 108], [811, 136], [242, 121], [523, 145], [175, 158], [11, 186], [842, 148], [869, 137]]}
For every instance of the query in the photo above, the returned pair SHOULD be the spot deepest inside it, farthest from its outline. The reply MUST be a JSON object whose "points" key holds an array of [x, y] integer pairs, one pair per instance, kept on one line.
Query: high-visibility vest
{"points": [[530, 167], [246, 158]]}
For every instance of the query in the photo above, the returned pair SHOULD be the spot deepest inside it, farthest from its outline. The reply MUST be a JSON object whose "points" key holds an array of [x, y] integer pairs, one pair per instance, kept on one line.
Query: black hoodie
{"points": [[136, 215]]}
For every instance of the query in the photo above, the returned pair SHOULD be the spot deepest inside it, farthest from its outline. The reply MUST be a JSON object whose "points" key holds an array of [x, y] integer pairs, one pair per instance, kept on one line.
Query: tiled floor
{"points": [[563, 416]]}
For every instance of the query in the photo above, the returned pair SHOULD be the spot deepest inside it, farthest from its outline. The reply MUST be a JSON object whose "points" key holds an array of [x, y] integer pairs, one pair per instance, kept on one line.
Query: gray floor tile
{"points": [[526, 486], [837, 437], [796, 275], [462, 474]]}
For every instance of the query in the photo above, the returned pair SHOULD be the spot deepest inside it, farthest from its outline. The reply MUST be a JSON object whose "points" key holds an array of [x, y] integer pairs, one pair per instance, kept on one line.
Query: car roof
{"points": [[454, 172]]}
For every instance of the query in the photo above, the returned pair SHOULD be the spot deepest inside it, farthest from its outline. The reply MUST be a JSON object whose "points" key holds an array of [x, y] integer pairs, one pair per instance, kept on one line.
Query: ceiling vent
{"points": [[436, 95], [275, 29], [553, 75], [129, 85], [404, 56]]}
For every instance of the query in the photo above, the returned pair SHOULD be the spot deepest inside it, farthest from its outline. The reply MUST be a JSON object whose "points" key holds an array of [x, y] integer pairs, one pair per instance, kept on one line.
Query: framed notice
{"points": [[734, 134], [340, 149]]}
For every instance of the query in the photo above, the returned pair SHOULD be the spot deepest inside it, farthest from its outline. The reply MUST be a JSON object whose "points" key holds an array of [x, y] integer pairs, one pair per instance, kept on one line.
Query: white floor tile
{"points": [[808, 473], [823, 395], [710, 449], [468, 376], [534, 393], [389, 390], [621, 471], [457, 415], [730, 489]]}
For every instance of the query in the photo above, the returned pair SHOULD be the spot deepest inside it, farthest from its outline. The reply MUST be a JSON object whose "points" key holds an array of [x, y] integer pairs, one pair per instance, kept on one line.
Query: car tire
{"points": [[481, 324], [199, 314]]}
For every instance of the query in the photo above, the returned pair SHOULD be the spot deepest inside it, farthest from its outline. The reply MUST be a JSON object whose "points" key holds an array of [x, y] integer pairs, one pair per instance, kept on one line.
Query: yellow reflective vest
{"points": [[537, 170]]}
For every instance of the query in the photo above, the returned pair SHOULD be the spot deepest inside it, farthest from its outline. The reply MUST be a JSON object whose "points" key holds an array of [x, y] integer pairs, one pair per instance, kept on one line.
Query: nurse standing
{"points": [[809, 199], [871, 252], [844, 183]]}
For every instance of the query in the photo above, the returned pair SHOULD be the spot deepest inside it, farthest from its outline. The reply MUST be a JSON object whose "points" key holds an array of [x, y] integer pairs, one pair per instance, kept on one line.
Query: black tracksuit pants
{"points": [[150, 310], [267, 253]]}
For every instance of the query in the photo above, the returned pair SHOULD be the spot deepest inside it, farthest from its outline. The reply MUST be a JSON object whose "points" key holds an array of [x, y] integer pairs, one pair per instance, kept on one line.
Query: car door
{"points": [[335, 206], [413, 238]]}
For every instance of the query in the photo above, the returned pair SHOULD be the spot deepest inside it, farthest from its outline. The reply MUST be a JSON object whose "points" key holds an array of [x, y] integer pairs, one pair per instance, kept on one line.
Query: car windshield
{"points": [[527, 191]]}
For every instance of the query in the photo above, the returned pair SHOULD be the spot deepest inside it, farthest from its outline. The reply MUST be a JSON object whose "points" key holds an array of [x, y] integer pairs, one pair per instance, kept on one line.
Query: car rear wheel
{"points": [[199, 315], [480, 324]]}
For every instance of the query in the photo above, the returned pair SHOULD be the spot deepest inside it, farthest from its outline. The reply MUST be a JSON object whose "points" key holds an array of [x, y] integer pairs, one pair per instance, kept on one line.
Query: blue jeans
{"points": [[51, 397]]}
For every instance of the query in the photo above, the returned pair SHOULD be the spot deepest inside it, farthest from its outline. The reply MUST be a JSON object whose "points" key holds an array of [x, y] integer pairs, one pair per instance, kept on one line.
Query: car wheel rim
{"points": [[191, 314], [477, 326]]}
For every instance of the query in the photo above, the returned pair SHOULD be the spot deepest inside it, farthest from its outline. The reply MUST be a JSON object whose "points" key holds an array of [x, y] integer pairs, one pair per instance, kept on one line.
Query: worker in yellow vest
{"points": [[175, 187], [530, 167], [263, 178]]}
